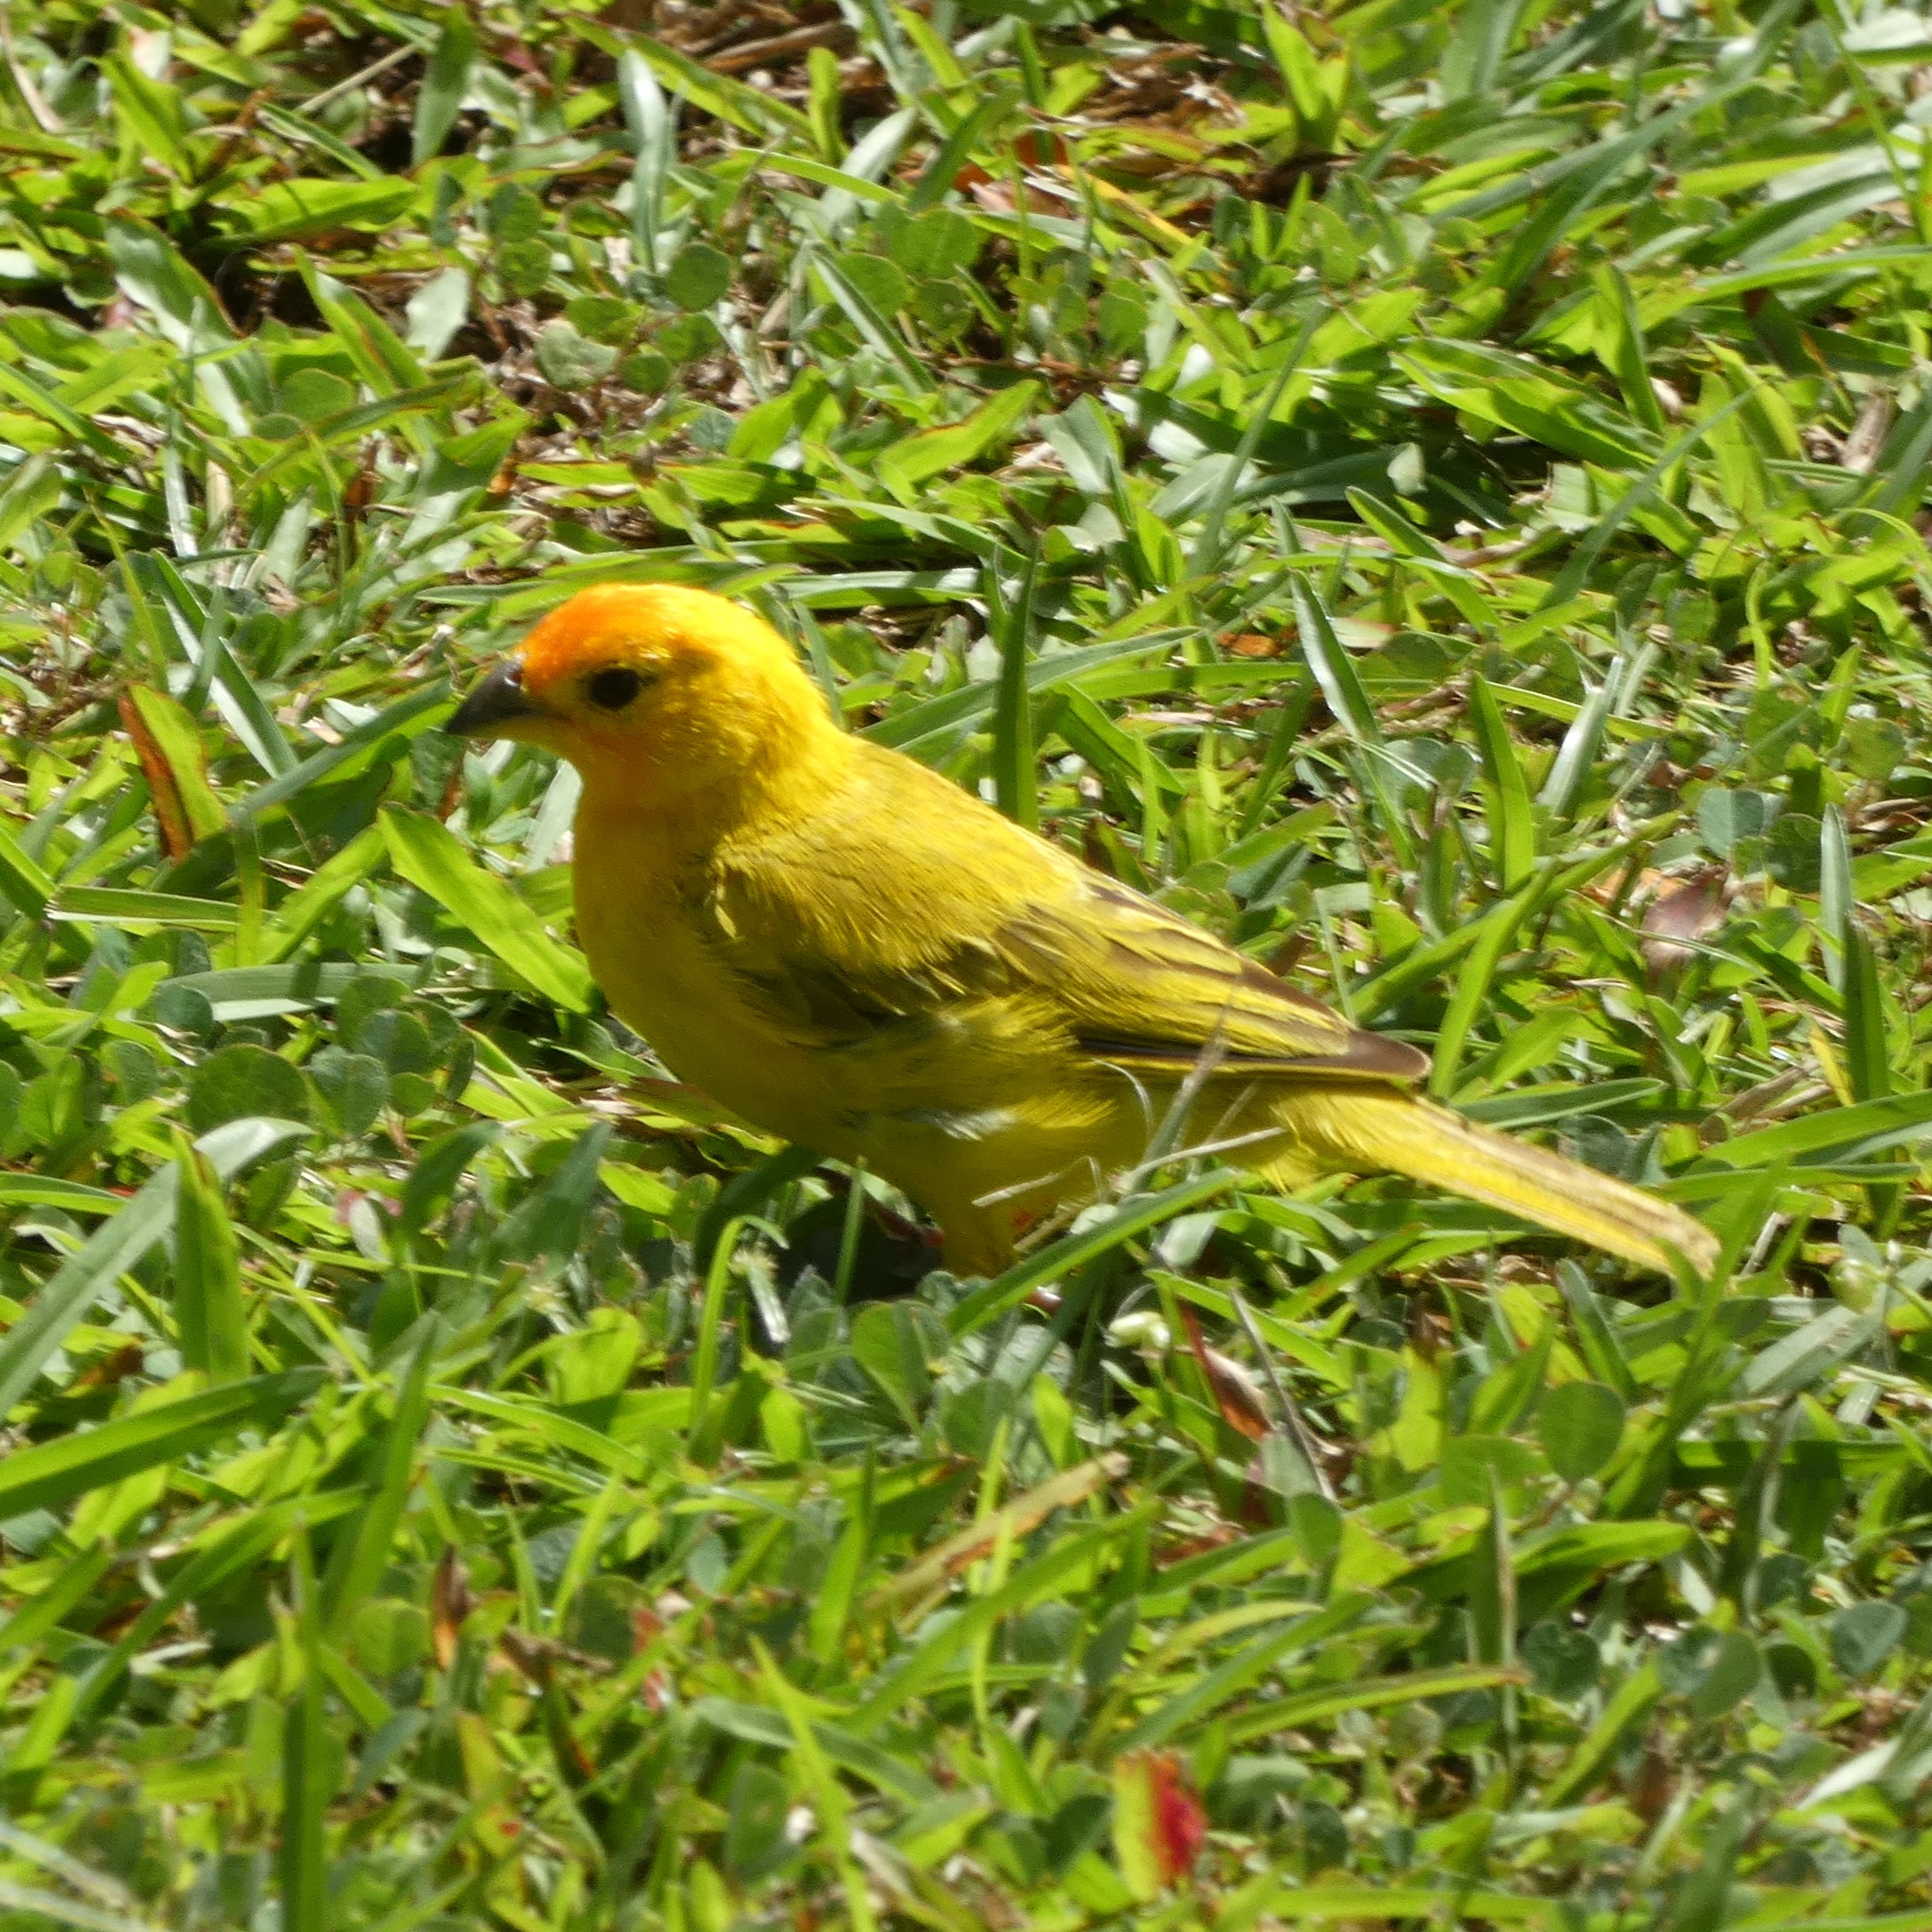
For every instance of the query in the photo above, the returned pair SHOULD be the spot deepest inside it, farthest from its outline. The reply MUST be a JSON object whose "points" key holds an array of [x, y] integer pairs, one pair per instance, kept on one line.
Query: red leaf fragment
{"points": [[1236, 1396], [450, 1602], [163, 793], [1159, 1826], [1180, 1823]]}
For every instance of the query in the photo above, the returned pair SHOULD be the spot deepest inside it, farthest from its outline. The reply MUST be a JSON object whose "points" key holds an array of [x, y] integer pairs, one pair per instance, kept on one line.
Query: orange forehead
{"points": [[596, 626]]}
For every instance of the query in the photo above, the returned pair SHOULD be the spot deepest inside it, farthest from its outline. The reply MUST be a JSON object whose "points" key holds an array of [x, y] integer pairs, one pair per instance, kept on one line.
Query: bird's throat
{"points": [[678, 811]]}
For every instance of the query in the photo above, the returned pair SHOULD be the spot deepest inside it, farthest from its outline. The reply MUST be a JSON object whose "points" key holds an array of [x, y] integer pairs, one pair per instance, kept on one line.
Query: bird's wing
{"points": [[1142, 986], [910, 903]]}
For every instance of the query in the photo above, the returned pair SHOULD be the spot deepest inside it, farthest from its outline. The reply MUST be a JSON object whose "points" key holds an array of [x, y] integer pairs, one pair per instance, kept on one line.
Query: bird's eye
{"points": [[614, 687]]}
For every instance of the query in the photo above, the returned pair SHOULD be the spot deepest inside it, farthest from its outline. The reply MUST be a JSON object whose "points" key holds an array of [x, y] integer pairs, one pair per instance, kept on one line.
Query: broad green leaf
{"points": [[312, 902], [1810, 1353], [1836, 1135], [150, 110], [1864, 1634], [242, 1081]]}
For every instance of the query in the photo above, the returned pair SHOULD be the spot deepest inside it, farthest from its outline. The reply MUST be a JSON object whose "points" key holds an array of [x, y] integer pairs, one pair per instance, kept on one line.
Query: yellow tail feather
{"points": [[1359, 1131]]}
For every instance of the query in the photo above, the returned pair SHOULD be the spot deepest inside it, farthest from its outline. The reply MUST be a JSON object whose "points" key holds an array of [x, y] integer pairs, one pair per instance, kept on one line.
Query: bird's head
{"points": [[655, 693]]}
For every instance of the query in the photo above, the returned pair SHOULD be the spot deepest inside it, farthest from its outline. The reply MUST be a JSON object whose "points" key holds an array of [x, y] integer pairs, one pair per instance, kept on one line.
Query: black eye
{"points": [[613, 688]]}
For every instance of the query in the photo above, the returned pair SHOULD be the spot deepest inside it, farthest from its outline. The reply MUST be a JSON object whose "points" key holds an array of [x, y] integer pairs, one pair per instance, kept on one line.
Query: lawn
{"points": [[1431, 491]]}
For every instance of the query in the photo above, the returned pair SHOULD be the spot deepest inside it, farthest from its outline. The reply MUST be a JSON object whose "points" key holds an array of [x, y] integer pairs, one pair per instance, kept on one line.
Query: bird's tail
{"points": [[1361, 1131]]}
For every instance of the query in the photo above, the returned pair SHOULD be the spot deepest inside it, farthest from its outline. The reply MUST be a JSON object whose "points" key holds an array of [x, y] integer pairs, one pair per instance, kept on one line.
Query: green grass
{"points": [[1433, 491]]}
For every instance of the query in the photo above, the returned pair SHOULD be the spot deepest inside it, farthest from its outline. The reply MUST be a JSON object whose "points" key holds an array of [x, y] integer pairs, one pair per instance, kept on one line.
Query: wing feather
{"points": [[1141, 984], [837, 949]]}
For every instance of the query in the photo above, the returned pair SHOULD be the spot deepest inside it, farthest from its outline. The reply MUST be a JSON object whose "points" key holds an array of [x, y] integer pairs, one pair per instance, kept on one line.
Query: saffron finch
{"points": [[846, 949]]}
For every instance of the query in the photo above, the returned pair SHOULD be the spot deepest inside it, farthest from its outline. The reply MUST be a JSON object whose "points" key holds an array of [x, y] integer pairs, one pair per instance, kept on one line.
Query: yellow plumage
{"points": [[847, 950]]}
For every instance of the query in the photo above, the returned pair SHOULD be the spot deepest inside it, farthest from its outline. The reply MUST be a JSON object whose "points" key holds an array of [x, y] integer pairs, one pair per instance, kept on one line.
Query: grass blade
{"points": [[207, 1272], [431, 857], [116, 1245], [1013, 755], [306, 1786], [52, 1473], [358, 1561], [1513, 831], [1136, 1215]]}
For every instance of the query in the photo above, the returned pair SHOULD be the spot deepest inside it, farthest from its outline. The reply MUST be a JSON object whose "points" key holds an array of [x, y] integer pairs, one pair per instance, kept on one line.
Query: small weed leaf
{"points": [[1731, 1676], [1728, 818], [698, 277], [756, 1843], [1863, 1635], [237, 1082], [1580, 1425], [570, 360], [352, 1086], [1567, 1662]]}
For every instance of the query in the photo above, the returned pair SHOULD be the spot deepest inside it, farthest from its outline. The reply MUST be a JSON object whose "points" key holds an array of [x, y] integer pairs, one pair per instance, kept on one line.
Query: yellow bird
{"points": [[846, 949]]}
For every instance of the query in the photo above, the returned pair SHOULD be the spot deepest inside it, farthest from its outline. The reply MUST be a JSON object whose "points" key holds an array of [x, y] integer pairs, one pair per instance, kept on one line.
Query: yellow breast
{"points": [[654, 967]]}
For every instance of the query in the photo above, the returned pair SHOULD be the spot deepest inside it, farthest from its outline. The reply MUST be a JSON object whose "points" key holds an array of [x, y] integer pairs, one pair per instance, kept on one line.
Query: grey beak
{"points": [[498, 700]]}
